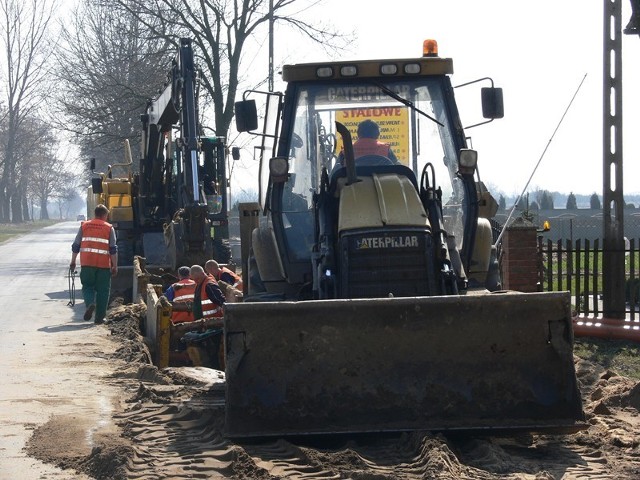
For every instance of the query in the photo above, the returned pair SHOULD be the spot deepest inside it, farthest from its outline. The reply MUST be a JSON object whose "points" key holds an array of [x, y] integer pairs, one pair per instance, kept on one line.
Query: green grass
{"points": [[12, 230], [620, 356]]}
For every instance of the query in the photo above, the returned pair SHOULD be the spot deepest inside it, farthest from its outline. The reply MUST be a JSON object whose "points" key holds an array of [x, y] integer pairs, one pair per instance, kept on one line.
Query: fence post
{"points": [[542, 265], [520, 254]]}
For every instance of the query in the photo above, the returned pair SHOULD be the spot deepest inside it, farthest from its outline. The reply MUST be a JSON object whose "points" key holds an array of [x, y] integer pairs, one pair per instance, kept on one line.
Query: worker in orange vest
{"points": [[368, 143], [96, 244], [208, 300], [223, 273], [368, 148], [182, 291], [209, 304]]}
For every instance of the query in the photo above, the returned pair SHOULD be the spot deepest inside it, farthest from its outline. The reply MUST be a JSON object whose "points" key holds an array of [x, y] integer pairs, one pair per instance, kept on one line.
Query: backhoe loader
{"points": [[373, 298]]}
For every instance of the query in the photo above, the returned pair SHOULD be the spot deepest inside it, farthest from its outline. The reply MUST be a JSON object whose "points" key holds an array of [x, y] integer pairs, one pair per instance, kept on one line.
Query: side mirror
{"points": [[235, 153], [92, 164], [492, 102], [246, 115], [96, 185]]}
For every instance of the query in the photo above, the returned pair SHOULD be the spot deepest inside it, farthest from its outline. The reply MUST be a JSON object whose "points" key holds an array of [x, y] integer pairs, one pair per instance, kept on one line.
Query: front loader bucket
{"points": [[489, 362]]}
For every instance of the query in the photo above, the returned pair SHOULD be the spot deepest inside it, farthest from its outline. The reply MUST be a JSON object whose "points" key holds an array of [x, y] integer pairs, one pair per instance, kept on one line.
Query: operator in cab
{"points": [[368, 143], [368, 149]]}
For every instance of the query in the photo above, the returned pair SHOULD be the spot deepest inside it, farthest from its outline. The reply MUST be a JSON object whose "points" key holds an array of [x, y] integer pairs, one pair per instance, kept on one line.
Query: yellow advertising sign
{"points": [[393, 123]]}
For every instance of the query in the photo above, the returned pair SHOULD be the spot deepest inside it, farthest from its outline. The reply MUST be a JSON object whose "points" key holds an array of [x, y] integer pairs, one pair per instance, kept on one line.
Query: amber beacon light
{"points": [[430, 48]]}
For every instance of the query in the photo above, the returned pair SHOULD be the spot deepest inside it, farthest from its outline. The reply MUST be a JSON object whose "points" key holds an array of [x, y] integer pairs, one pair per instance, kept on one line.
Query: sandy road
{"points": [[52, 363]]}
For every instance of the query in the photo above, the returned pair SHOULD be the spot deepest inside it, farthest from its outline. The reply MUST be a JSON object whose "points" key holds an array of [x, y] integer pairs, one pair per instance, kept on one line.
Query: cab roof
{"points": [[392, 68]]}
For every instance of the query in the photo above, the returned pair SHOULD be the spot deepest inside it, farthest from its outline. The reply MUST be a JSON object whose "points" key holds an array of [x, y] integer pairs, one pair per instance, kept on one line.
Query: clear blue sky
{"points": [[538, 52]]}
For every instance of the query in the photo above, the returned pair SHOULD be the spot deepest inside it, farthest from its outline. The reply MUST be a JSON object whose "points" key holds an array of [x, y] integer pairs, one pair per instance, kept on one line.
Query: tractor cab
{"points": [[402, 120]]}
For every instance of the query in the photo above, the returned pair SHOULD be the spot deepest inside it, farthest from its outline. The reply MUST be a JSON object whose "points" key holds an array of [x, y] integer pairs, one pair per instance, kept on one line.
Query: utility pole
{"points": [[271, 22], [613, 266]]}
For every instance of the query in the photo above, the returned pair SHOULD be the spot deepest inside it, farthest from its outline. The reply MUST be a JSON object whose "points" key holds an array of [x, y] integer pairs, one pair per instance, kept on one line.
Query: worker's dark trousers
{"points": [[96, 285]]}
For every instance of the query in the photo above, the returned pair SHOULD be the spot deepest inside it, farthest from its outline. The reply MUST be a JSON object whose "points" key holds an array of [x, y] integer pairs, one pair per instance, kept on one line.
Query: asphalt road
{"points": [[53, 364]]}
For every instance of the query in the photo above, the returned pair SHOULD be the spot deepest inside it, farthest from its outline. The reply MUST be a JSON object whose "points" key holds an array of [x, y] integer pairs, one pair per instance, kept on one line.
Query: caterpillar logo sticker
{"points": [[407, 241]]}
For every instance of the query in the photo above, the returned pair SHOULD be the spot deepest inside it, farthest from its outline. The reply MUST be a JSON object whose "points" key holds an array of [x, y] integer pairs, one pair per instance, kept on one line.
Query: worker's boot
{"points": [[89, 312]]}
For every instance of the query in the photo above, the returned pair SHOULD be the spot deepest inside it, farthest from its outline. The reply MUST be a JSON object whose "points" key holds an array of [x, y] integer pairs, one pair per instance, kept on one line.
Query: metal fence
{"points": [[577, 267]]}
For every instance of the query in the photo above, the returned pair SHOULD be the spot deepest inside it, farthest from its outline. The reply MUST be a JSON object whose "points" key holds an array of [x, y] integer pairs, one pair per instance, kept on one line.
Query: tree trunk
{"points": [[25, 209], [16, 208], [6, 207], [3, 217], [44, 215]]}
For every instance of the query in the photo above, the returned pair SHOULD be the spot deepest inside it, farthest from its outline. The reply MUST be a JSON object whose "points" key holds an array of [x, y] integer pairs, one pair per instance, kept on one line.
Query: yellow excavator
{"points": [[373, 297]]}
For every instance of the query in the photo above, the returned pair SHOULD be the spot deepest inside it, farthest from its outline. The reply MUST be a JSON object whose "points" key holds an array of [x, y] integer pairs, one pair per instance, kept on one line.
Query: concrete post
{"points": [[249, 214]]}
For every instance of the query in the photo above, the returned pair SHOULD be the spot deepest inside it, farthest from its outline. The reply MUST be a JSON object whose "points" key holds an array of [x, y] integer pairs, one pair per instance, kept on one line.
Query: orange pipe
{"points": [[609, 328]]}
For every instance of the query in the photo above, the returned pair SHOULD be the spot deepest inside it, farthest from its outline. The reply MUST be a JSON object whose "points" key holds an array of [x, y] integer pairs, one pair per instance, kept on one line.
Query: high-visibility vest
{"points": [[209, 309], [370, 146], [237, 280], [94, 246], [184, 291]]}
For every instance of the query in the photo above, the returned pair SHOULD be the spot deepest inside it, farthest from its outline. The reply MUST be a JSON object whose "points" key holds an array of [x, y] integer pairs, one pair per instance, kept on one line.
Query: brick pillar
{"points": [[520, 256]]}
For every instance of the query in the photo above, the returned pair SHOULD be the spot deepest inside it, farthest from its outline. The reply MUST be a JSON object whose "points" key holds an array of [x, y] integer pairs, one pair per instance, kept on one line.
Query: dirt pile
{"points": [[56, 442]]}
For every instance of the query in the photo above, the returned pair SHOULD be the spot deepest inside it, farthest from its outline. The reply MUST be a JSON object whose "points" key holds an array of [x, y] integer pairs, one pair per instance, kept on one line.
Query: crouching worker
{"points": [[206, 347], [223, 273], [181, 294]]}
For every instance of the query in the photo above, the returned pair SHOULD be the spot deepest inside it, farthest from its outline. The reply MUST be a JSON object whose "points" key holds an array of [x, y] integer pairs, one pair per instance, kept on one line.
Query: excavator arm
{"points": [[170, 194]]}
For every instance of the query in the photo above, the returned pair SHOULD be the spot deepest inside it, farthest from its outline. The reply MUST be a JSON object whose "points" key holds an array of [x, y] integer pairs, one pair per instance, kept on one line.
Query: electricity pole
{"points": [[271, 22], [613, 266]]}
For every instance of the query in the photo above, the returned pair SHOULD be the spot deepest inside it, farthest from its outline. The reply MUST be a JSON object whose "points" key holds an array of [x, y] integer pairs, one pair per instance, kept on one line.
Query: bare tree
{"points": [[64, 198], [219, 30], [23, 30], [50, 178], [106, 74]]}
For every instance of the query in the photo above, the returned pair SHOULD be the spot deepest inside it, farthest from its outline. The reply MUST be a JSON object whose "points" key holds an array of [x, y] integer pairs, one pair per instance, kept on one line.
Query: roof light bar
{"points": [[412, 68], [324, 72], [348, 70], [388, 69]]}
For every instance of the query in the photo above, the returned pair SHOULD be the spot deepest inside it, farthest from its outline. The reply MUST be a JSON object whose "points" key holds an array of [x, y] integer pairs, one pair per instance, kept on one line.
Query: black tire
{"points": [[125, 253], [221, 251]]}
